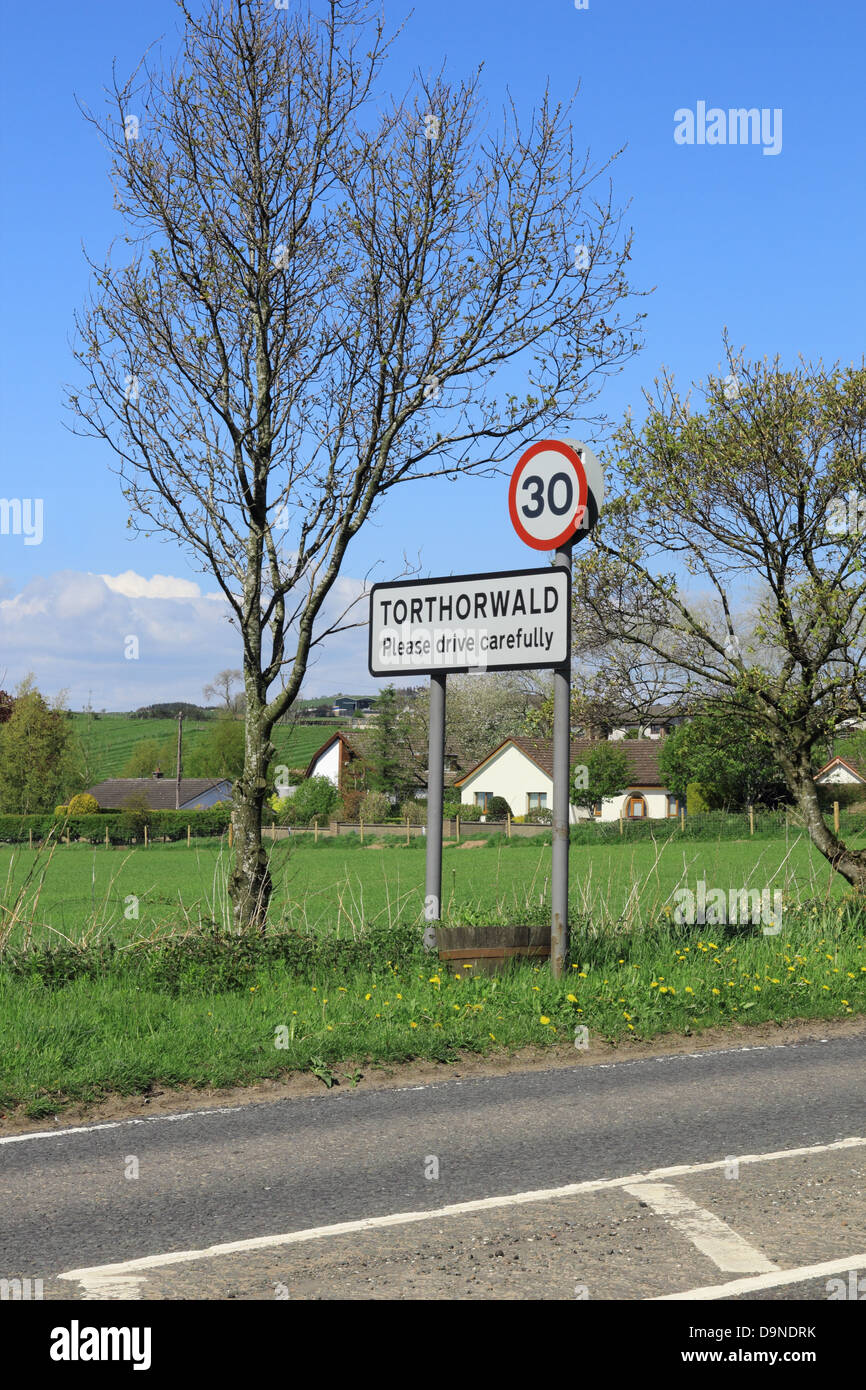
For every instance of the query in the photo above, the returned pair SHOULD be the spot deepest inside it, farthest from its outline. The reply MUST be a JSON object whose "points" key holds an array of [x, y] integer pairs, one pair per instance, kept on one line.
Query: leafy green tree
{"points": [[605, 772], [316, 796], [729, 560], [38, 762], [498, 808], [389, 764], [148, 755], [734, 765]]}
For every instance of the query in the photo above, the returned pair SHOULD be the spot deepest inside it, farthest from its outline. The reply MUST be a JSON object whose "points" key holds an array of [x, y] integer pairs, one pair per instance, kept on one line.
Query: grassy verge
{"points": [[209, 1010]]}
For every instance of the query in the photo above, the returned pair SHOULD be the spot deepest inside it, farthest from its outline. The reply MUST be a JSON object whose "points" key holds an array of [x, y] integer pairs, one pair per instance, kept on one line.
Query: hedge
{"points": [[122, 828]]}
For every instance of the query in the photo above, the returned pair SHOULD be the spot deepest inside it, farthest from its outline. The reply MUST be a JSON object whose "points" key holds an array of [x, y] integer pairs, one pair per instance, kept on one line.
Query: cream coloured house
{"points": [[521, 771]]}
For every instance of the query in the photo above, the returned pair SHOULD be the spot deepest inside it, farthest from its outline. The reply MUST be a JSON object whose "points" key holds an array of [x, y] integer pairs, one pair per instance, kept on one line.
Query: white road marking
{"points": [[708, 1233], [405, 1218], [767, 1281], [427, 1086]]}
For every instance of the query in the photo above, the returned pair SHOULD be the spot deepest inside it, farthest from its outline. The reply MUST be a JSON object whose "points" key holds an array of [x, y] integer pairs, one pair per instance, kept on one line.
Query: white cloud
{"points": [[72, 630]]}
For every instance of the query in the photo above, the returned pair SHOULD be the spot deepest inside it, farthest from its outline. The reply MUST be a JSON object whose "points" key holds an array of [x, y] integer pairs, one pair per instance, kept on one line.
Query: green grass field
{"points": [[110, 739], [336, 890], [353, 988]]}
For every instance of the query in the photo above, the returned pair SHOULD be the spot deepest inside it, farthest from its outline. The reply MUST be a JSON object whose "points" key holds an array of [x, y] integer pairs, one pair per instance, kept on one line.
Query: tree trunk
{"points": [[250, 884], [851, 864]]}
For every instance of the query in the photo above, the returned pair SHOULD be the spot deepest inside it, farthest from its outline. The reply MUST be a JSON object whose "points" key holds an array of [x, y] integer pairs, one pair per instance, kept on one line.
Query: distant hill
{"points": [[109, 740]]}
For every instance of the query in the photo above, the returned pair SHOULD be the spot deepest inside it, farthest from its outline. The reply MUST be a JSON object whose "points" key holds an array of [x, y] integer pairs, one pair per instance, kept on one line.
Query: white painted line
{"points": [[396, 1090], [708, 1233], [405, 1218], [767, 1281]]}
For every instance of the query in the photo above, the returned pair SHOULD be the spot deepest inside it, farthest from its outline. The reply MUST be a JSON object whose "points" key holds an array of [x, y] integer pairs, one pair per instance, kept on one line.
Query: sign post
{"points": [[435, 783], [554, 498]]}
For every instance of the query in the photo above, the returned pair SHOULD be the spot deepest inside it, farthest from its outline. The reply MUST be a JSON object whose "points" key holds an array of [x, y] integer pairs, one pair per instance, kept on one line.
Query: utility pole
{"points": [[179, 759]]}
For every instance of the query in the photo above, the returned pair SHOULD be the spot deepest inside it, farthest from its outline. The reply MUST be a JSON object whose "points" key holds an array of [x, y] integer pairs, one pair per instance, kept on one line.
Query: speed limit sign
{"points": [[549, 496]]}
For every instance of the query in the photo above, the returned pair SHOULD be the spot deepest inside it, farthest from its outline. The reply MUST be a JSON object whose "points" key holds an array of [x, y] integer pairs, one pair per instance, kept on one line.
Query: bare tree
{"points": [[221, 687], [730, 564], [320, 292]]}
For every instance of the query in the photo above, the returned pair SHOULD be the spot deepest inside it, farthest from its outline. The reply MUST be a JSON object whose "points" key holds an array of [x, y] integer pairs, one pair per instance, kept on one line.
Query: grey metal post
{"points": [[435, 781], [561, 795]]}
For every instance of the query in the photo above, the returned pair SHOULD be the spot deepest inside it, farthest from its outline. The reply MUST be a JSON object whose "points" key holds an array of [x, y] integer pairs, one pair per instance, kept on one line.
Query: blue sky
{"points": [[770, 245]]}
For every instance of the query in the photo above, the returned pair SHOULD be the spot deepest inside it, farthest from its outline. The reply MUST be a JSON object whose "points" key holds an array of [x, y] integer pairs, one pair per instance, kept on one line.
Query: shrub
{"points": [[414, 811], [83, 805], [467, 811], [349, 807], [540, 815], [498, 808], [315, 797], [61, 810], [376, 806], [696, 802]]}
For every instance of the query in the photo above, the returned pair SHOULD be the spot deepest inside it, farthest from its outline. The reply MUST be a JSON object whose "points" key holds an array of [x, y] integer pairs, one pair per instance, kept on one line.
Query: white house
{"points": [[521, 771]]}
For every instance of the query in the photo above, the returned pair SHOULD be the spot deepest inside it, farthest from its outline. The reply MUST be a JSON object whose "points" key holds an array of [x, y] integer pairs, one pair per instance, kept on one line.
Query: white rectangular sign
{"points": [[474, 622]]}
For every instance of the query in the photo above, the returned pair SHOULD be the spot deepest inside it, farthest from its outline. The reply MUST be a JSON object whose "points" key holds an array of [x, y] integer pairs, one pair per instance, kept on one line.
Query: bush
{"points": [[498, 808], [83, 805], [468, 812], [414, 811], [349, 808], [696, 802], [316, 797], [61, 810], [540, 815], [376, 806]]}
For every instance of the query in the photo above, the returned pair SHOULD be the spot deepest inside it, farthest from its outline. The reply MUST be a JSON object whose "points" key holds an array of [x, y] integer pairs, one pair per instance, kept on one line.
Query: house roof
{"points": [[858, 769], [643, 754], [158, 792]]}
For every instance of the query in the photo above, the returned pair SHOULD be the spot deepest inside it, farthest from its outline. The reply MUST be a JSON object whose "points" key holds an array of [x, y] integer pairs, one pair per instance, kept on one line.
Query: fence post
{"points": [[683, 819], [145, 835], [508, 825], [361, 823], [407, 830], [836, 816], [30, 833], [620, 823], [188, 835], [315, 830], [458, 827], [231, 833], [751, 819], [106, 837]]}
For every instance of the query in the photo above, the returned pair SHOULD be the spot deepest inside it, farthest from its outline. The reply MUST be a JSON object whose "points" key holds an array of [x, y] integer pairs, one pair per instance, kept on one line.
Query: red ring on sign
{"points": [[569, 454]]}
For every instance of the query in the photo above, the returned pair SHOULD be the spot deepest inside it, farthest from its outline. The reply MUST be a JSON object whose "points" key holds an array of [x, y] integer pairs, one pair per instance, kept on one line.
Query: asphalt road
{"points": [[72, 1200]]}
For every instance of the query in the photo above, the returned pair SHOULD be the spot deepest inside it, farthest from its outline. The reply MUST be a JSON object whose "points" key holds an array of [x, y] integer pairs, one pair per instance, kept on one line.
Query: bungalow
{"points": [[161, 794], [521, 771]]}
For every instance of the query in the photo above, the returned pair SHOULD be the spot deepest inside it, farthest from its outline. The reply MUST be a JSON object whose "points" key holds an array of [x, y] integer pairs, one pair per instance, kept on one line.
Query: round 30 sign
{"points": [[549, 495]]}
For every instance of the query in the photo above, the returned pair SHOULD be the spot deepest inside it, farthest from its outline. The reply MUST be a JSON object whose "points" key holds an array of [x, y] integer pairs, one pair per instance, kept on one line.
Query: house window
{"points": [[536, 801], [635, 807], [482, 798], [673, 805], [596, 808]]}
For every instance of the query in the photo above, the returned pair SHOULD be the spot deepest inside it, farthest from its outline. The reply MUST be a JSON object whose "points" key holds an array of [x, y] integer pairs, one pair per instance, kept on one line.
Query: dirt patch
{"points": [[377, 1076], [471, 844]]}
